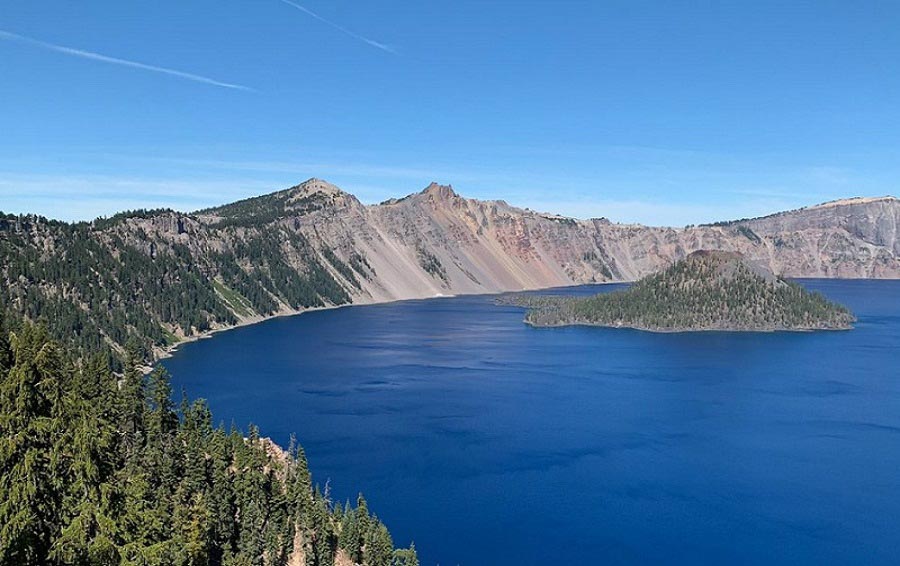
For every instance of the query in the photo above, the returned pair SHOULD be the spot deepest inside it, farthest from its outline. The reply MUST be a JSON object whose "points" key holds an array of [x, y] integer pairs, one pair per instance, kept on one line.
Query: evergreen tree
{"points": [[90, 529], [31, 490], [405, 556], [89, 475], [379, 546]]}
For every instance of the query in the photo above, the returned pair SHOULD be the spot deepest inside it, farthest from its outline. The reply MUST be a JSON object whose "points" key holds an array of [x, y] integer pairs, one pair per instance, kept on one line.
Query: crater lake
{"points": [[487, 441]]}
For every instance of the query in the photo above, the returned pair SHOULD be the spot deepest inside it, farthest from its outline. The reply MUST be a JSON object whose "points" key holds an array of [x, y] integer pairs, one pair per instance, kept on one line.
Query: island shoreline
{"points": [[690, 330]]}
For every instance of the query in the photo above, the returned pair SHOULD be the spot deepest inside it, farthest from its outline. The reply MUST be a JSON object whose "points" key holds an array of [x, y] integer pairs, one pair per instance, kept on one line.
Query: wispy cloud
{"points": [[342, 29], [9, 36]]}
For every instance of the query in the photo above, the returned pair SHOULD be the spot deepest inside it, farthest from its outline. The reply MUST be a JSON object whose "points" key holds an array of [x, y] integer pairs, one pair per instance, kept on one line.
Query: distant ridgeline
{"points": [[148, 279], [708, 290]]}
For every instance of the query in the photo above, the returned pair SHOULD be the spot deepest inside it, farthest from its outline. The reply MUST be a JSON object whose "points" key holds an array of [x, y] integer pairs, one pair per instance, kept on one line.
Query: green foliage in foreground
{"points": [[100, 470], [706, 291]]}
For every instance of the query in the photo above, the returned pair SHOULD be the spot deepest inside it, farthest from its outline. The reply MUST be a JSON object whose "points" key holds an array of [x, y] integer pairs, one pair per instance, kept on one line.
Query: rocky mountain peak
{"points": [[439, 192], [317, 195], [313, 186]]}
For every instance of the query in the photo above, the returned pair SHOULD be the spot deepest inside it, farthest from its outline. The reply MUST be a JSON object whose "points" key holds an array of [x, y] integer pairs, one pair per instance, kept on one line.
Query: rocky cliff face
{"points": [[316, 245], [438, 243]]}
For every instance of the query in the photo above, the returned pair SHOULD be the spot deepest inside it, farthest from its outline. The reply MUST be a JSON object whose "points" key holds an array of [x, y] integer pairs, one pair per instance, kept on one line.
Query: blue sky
{"points": [[653, 112]]}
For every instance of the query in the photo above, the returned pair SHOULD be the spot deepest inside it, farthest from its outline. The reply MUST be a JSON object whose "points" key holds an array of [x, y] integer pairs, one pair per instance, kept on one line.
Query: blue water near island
{"points": [[489, 442]]}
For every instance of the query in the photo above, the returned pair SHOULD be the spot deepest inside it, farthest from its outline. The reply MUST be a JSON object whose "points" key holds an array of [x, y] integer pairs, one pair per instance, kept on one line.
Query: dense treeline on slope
{"points": [[708, 290], [268, 273], [96, 295], [99, 287], [97, 470]]}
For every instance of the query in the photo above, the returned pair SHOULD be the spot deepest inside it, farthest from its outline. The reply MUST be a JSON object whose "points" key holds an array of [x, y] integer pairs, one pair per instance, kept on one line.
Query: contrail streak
{"points": [[342, 29], [9, 36]]}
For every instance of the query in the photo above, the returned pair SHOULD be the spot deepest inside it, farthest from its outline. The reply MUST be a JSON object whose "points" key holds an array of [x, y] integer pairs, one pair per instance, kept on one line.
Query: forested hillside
{"points": [[149, 279], [706, 291], [95, 470]]}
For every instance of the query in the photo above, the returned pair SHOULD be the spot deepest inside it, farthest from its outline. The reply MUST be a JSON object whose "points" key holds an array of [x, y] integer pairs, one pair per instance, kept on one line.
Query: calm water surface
{"points": [[489, 442]]}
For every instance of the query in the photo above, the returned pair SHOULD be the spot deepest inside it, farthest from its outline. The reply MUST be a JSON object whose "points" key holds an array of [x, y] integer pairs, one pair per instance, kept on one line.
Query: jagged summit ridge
{"points": [[439, 192], [435, 193]]}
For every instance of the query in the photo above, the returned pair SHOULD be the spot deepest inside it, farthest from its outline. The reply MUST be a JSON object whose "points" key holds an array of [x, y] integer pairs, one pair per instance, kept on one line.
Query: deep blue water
{"points": [[490, 442]]}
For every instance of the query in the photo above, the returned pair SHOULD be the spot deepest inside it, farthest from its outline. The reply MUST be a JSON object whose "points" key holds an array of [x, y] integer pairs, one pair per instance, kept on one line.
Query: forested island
{"points": [[708, 290], [98, 468]]}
